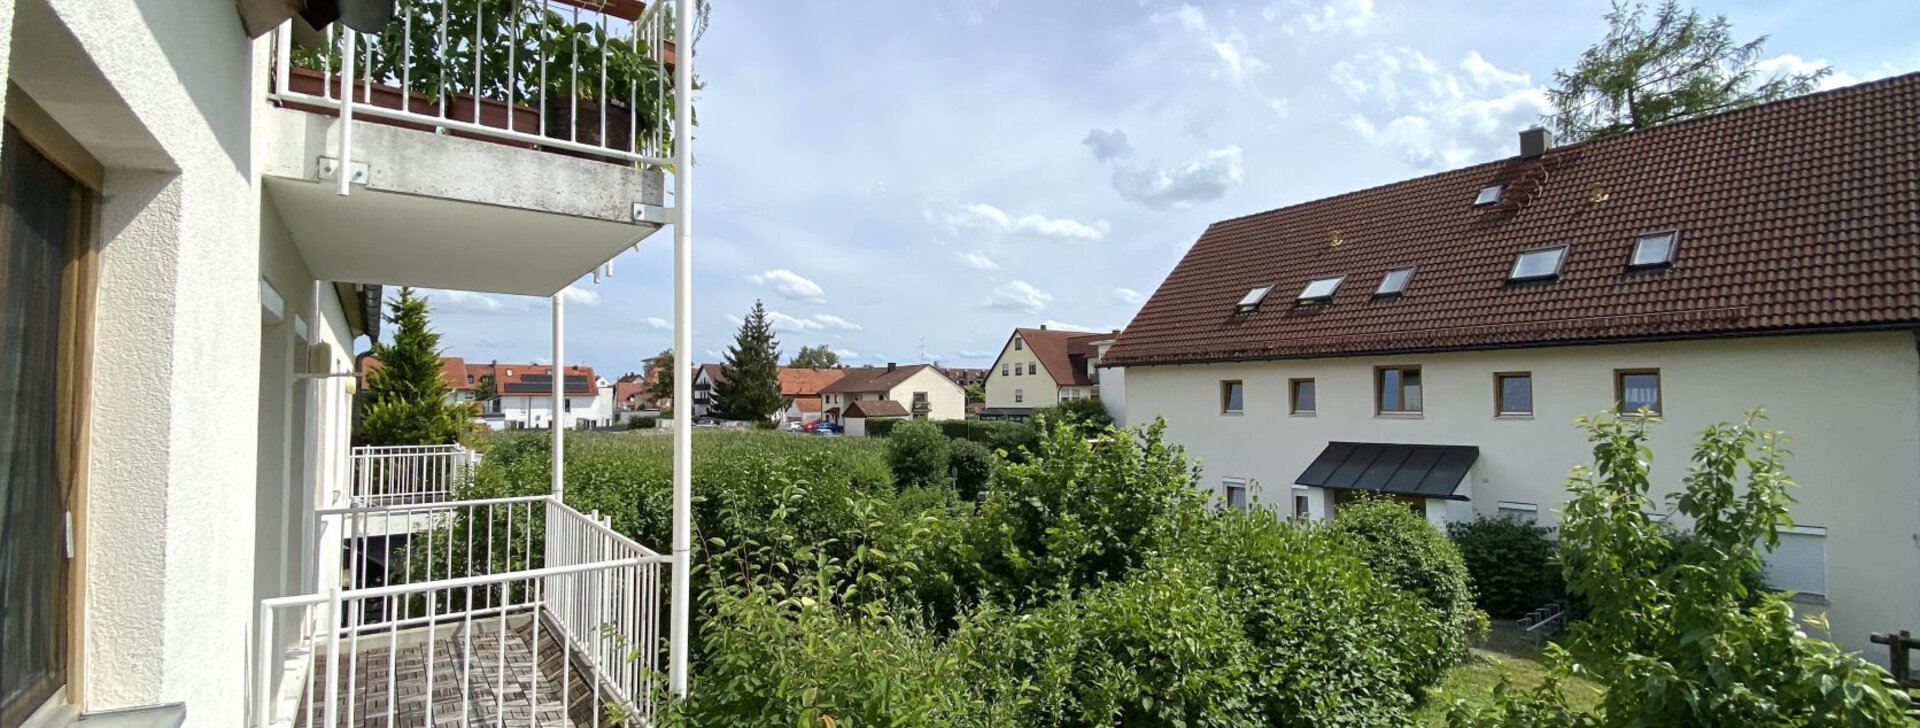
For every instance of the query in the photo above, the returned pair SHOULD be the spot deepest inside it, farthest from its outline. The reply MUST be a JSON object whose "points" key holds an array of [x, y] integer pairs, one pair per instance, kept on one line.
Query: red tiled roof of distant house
{"points": [[876, 408], [872, 379], [1063, 353]]}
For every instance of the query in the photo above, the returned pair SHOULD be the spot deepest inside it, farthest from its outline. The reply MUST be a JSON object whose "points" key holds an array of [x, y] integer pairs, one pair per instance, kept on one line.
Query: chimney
{"points": [[1535, 142], [889, 366], [1043, 327]]}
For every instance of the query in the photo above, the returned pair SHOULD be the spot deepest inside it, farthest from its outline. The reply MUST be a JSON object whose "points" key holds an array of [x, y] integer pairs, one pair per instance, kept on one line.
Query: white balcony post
{"points": [[340, 173], [559, 394], [682, 343]]}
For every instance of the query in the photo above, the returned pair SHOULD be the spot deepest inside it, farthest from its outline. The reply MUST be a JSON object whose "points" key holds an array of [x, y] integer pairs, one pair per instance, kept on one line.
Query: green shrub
{"points": [[1086, 414], [918, 454], [1408, 552], [1510, 562], [1017, 439], [643, 423], [972, 465], [883, 426]]}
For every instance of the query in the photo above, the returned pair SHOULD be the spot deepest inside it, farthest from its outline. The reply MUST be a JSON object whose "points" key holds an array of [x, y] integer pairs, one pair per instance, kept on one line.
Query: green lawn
{"points": [[1475, 679]]}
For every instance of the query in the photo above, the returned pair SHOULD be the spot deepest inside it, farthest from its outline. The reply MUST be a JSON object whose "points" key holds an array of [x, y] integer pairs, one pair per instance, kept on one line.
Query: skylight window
{"points": [[1320, 290], [1541, 264], [1488, 195], [1654, 250], [1395, 282], [1251, 301]]}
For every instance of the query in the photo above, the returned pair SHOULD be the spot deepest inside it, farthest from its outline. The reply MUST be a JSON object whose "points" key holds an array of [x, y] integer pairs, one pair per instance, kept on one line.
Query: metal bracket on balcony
{"points": [[643, 212], [326, 167]]}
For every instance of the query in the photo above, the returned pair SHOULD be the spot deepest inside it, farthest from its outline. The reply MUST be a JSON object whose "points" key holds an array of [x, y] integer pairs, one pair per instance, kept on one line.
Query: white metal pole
{"points": [[683, 15], [341, 174], [559, 393]]}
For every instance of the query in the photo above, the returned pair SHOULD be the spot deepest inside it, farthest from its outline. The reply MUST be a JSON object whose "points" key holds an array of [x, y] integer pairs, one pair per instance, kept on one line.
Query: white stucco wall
{"points": [[537, 411], [945, 400], [1850, 403], [1036, 385]]}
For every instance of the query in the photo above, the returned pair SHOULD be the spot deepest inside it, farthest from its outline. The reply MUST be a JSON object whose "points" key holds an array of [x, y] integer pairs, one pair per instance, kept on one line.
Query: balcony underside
{"points": [[440, 211]]}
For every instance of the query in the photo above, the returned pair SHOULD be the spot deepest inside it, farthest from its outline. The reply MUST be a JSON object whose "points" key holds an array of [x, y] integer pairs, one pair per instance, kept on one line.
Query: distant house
{"points": [[523, 398], [704, 377], [463, 379], [1040, 367], [966, 377], [922, 390], [856, 415], [801, 388]]}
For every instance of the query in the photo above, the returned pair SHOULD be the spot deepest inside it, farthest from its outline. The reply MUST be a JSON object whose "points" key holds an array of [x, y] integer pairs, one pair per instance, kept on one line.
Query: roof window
{"points": [[1654, 250], [1251, 302], [1395, 282], [1539, 264], [1320, 290], [1488, 195]]}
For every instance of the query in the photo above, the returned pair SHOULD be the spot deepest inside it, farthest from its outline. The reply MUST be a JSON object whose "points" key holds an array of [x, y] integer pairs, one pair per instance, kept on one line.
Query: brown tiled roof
{"points": [[807, 404], [876, 408], [798, 382], [1797, 215], [1063, 353], [872, 379]]}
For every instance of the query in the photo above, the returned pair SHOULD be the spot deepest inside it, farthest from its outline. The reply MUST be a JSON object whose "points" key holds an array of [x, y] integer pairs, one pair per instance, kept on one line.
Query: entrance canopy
{"points": [[1424, 471]]}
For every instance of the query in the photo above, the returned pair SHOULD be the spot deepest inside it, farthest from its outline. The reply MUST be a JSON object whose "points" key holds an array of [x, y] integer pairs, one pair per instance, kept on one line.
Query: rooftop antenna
{"points": [[923, 349]]}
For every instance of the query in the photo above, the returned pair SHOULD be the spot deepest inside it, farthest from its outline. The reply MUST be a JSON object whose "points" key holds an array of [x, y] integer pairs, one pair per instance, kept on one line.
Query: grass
{"points": [[1474, 681]]}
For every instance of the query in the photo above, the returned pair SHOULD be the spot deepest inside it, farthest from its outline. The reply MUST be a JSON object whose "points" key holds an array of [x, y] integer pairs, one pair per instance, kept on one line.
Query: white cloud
{"points": [[790, 284], [1335, 17], [835, 322], [982, 217], [847, 353], [971, 354], [1108, 145], [1064, 326], [1227, 45], [1438, 118], [1019, 296], [733, 319], [977, 261], [1128, 295], [1202, 179], [817, 322], [1235, 63], [465, 301], [715, 354], [655, 322], [577, 296]]}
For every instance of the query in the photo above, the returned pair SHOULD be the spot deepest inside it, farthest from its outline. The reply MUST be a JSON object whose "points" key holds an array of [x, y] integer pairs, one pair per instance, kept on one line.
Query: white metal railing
{"points": [[588, 77], [520, 606], [410, 474]]}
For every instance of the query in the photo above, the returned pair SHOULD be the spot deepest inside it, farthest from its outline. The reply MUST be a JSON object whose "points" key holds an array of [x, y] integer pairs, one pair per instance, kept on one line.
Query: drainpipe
{"points": [[682, 344], [559, 395]]}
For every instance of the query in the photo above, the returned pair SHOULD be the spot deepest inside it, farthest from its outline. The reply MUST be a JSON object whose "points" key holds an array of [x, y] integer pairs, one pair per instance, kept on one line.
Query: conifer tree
{"points": [[406, 398], [749, 388]]}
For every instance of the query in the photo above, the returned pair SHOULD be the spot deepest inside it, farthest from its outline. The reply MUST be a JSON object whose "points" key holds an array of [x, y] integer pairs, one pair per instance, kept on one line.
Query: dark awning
{"points": [[1426, 471]]}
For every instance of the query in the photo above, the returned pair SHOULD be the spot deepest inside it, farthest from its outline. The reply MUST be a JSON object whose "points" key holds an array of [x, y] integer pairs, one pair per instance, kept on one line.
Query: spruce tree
{"points": [[749, 388], [406, 398]]}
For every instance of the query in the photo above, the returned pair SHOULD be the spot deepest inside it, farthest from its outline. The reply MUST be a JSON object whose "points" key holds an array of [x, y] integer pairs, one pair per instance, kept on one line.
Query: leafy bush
{"points": [[1668, 633], [1510, 561], [1016, 439], [1408, 552], [643, 423], [918, 454], [972, 465], [882, 426], [1085, 414]]}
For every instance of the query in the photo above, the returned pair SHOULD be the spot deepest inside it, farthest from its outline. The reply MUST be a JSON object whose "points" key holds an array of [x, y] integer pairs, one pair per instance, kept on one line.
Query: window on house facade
{"points": [[1251, 302], [1232, 397], [1302, 504], [1542, 264], [1488, 195], [1320, 290], [1233, 492], [1019, 395], [1513, 393], [1394, 282], [1397, 390], [1018, 344], [1799, 562], [1005, 369], [1637, 389], [1300, 396], [1654, 250], [1528, 513]]}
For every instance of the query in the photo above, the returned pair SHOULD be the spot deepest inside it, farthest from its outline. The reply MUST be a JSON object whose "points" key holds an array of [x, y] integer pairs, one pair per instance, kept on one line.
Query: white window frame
{"points": [[1489, 195], [1227, 486], [1767, 567], [1526, 512], [1299, 492]]}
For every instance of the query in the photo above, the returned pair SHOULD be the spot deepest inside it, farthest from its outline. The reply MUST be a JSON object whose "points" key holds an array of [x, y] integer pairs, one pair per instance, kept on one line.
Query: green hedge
{"points": [[1016, 438], [1511, 563]]}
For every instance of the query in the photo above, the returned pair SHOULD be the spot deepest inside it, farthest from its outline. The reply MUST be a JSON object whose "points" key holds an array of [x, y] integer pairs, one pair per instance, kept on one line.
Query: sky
{"points": [[909, 181]]}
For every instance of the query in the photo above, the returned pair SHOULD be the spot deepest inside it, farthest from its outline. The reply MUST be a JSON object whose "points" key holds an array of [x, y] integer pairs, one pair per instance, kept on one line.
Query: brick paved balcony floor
{"points": [[522, 697]]}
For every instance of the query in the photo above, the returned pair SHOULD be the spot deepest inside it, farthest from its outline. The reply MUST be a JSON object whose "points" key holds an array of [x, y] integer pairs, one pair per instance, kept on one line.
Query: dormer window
{"points": [[1654, 250], [1488, 195], [1395, 282], [1320, 290], [1251, 302], [1539, 264]]}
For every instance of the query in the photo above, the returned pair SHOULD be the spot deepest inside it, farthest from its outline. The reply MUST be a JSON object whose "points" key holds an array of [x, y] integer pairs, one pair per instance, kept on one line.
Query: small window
{"points": [[1513, 393], [1528, 513], [1232, 397], [1019, 395], [919, 398], [1004, 369], [1542, 264], [1397, 389], [1251, 302], [1799, 562], [1488, 195], [1395, 282], [1654, 250], [1018, 344], [1300, 396], [1302, 504], [1636, 390], [1234, 491], [1320, 290]]}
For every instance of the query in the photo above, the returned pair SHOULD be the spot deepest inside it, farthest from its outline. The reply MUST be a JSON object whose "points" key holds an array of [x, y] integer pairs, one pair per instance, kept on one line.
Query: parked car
{"points": [[796, 426], [824, 427]]}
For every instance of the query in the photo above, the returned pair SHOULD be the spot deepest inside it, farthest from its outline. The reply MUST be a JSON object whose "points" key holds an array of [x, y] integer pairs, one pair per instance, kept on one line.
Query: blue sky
{"points": [[893, 177]]}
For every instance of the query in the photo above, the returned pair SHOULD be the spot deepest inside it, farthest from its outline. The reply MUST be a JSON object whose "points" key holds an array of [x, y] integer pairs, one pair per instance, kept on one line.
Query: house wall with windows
{"points": [[1841, 398], [1016, 381]]}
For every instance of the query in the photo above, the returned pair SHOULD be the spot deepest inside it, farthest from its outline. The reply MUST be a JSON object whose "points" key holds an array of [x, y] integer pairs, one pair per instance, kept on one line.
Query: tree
{"points": [[1673, 632], [815, 357], [976, 392], [406, 400], [661, 370], [1654, 70], [749, 387], [919, 454]]}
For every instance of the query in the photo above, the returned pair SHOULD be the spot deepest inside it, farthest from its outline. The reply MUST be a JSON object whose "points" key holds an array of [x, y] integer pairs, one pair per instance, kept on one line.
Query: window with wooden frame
{"points": [[1635, 390], [1233, 395], [48, 267], [1397, 390], [1300, 396], [1513, 394]]}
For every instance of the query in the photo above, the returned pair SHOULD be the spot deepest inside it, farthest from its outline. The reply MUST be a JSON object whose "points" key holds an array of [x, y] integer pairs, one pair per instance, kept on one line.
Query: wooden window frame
{"points": [[1226, 386], [1500, 394], [1293, 397], [1380, 390], [1659, 407]]}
